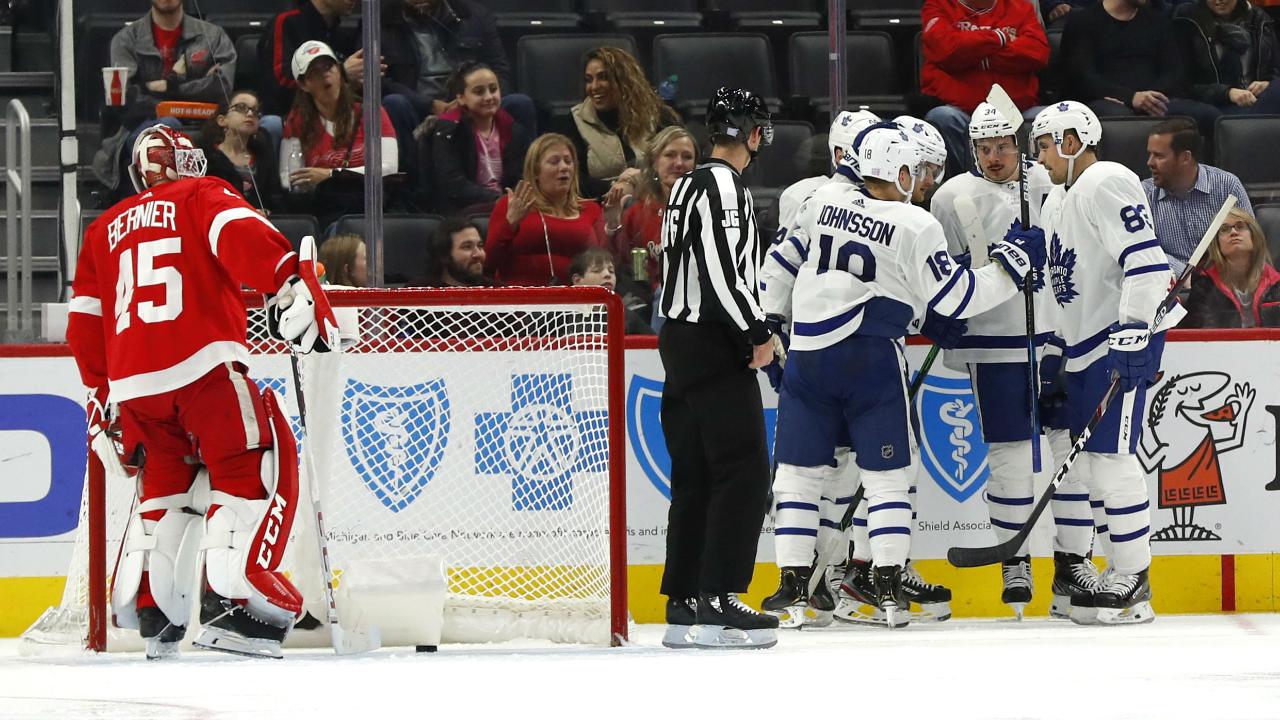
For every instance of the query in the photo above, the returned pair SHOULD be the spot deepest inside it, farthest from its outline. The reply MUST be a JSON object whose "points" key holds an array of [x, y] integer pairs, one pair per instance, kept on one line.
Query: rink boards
{"points": [[1211, 454]]}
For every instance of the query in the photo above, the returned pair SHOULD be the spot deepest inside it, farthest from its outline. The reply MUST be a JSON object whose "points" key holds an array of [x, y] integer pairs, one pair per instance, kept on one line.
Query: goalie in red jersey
{"points": [[157, 327]]}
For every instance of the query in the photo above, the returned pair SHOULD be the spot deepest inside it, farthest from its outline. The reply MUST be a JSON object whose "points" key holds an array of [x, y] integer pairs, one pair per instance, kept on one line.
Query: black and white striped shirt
{"points": [[711, 252]]}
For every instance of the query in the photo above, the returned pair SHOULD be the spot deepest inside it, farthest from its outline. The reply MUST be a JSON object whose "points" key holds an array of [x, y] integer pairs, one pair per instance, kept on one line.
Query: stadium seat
{"points": [[765, 15], [211, 8], [296, 227], [404, 250], [1249, 146], [248, 68], [549, 67], [237, 25], [481, 221], [641, 14], [1268, 216], [786, 160], [534, 14], [703, 62], [1124, 140], [867, 14], [765, 201], [872, 77]]}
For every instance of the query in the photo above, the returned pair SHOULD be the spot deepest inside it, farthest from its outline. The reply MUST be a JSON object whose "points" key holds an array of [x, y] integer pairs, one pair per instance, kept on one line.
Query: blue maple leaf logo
{"points": [[1063, 107], [1062, 266], [918, 128]]}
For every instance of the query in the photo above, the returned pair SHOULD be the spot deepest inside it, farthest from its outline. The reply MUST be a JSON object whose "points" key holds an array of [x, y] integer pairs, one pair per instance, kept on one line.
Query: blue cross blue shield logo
{"points": [[952, 448], [644, 431], [541, 443], [395, 436]]}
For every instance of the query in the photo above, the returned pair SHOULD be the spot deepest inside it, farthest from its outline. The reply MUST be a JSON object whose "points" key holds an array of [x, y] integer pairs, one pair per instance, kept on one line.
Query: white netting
{"points": [[474, 433]]}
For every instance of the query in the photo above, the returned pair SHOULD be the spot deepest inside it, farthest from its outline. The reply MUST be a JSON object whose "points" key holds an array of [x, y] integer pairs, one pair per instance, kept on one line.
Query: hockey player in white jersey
{"points": [[867, 262], [1108, 275], [974, 209], [844, 128]]}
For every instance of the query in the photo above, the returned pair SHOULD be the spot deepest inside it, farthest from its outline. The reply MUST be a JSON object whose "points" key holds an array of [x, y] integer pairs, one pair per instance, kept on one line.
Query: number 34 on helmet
{"points": [[162, 154]]}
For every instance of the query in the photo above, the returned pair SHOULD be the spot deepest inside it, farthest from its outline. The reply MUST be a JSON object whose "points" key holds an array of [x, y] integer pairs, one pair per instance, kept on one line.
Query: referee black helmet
{"points": [[733, 113]]}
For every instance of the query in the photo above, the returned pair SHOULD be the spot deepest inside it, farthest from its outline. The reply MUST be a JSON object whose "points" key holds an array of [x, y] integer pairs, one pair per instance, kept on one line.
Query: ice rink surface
{"points": [[1204, 667]]}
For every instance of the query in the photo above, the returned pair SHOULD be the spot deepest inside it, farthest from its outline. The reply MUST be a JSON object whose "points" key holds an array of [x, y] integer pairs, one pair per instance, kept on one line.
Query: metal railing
{"points": [[17, 210]]}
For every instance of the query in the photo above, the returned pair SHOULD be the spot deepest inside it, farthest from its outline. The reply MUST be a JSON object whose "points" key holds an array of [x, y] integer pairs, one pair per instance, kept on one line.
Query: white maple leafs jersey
{"points": [[999, 334], [1105, 263], [778, 274], [791, 198], [868, 267]]}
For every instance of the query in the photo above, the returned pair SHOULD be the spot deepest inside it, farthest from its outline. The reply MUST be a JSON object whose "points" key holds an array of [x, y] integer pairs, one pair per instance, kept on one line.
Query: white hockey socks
{"points": [[1010, 490], [1072, 516], [796, 493], [838, 489], [889, 514], [1119, 482]]}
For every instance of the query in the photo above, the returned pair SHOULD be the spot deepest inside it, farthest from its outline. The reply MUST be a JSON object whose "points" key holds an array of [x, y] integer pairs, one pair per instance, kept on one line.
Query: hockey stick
{"points": [[1009, 110], [823, 559], [343, 643], [979, 556]]}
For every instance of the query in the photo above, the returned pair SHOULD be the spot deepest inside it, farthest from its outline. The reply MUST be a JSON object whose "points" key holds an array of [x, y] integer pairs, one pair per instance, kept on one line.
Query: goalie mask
{"points": [[162, 154]]}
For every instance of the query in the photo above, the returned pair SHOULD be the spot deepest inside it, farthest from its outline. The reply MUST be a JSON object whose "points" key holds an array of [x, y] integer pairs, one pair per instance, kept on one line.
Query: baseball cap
{"points": [[307, 53]]}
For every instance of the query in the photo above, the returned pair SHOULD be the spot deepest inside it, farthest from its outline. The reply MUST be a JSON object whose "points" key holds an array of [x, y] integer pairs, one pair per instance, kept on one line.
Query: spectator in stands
{"points": [[1232, 54], [537, 229], [455, 255], [324, 136], [1054, 12], [170, 57], [672, 153], [612, 126], [239, 151], [345, 261], [310, 20], [1184, 195], [1122, 58], [424, 41], [476, 148], [968, 45], [1239, 287], [595, 267]]}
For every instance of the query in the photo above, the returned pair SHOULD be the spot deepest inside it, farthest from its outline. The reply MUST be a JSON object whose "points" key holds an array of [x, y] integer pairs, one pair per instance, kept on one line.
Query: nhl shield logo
{"points": [[395, 436], [644, 431], [951, 449]]}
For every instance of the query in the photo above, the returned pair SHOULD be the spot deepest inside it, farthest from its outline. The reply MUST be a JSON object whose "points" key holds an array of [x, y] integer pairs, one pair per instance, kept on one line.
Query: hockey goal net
{"points": [[480, 429]]}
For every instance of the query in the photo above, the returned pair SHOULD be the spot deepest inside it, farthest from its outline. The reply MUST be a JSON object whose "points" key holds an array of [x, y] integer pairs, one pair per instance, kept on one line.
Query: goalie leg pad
{"points": [[245, 538], [159, 561], [796, 492]]}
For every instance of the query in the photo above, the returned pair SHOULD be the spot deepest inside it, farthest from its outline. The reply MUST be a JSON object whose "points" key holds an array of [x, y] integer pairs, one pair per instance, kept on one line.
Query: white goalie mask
{"points": [[162, 154], [844, 130], [884, 148], [932, 147]]}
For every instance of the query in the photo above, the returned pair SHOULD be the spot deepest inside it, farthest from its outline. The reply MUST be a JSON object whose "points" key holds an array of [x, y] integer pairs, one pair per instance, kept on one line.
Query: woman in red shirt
{"points": [[672, 153], [537, 229]]}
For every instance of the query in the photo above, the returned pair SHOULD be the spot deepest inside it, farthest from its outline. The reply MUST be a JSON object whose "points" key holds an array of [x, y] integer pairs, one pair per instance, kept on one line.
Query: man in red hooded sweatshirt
{"points": [[970, 45]]}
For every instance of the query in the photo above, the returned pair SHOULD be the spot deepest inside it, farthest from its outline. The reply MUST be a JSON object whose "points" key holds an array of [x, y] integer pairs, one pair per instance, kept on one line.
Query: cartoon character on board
{"points": [[1187, 429]]}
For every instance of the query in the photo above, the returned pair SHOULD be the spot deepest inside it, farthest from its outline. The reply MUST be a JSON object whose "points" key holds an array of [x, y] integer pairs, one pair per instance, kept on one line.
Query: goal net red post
{"points": [[468, 440]]}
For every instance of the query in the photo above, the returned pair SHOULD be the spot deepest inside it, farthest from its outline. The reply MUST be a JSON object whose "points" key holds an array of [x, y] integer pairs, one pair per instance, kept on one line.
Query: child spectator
{"points": [[595, 267], [239, 151]]}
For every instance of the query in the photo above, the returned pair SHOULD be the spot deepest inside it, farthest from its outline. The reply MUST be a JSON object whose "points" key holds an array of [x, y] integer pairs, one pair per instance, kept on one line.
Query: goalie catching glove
{"points": [[299, 313], [1021, 252]]}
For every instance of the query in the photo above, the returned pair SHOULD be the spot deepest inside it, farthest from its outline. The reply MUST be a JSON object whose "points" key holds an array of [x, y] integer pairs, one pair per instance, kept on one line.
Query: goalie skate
{"points": [[161, 636], [857, 597], [1125, 600], [933, 600], [228, 627]]}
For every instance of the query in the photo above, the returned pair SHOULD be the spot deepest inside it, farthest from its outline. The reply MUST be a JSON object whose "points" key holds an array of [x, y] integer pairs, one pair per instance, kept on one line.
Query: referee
{"points": [[713, 340]]}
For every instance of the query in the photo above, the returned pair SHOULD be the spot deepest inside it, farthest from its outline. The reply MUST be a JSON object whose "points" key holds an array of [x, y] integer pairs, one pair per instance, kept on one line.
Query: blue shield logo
{"points": [[952, 448], [395, 436], [644, 431]]}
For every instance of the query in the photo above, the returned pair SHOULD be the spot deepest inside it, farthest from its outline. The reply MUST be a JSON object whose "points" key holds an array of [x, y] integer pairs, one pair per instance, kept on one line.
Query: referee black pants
{"points": [[713, 422]]}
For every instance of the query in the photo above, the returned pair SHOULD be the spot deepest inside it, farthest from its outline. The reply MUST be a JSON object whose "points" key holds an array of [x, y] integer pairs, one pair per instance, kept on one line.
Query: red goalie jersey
{"points": [[157, 290]]}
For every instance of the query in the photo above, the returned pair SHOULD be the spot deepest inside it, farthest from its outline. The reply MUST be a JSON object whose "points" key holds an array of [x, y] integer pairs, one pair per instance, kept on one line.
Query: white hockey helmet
{"points": [[162, 154], [932, 147], [1057, 119], [987, 122], [844, 130], [882, 149]]}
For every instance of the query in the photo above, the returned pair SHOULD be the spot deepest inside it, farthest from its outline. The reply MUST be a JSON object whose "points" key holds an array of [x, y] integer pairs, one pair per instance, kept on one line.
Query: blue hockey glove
{"points": [[1130, 356], [1021, 252], [1053, 394], [945, 332], [963, 259], [782, 342]]}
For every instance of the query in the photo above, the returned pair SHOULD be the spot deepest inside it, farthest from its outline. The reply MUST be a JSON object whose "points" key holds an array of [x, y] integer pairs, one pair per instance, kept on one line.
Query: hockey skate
{"points": [[1075, 582], [857, 597], [1016, 573], [889, 594], [934, 600], [682, 615], [792, 605], [724, 621], [1125, 600], [161, 636], [228, 627]]}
